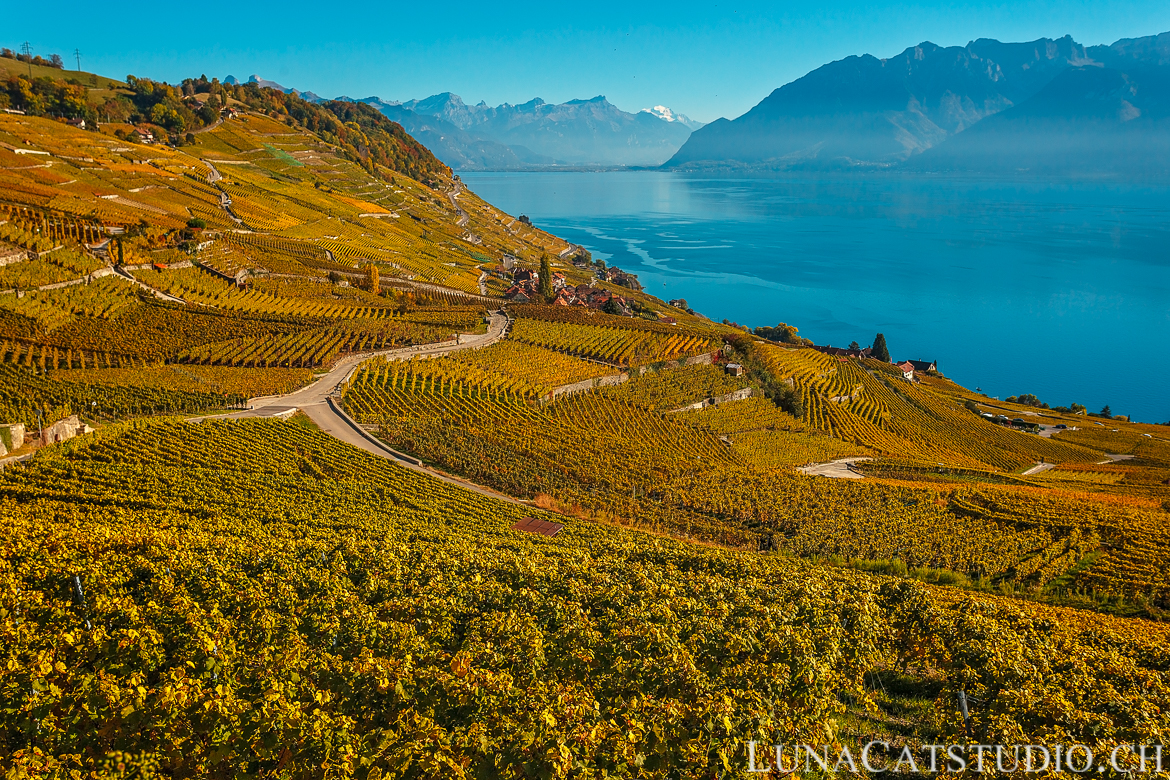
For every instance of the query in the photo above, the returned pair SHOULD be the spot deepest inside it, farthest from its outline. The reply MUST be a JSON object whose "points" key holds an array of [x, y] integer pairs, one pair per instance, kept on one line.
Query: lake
{"points": [[1058, 288]]}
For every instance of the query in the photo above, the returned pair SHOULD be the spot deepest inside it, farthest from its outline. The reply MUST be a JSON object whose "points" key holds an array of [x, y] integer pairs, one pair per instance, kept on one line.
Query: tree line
{"points": [[54, 60]]}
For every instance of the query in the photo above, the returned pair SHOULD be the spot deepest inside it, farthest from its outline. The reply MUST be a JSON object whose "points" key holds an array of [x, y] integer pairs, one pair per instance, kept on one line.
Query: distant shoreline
{"points": [[747, 172]]}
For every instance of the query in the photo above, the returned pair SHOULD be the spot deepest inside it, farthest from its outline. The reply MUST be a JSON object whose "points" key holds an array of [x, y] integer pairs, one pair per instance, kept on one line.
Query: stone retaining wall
{"points": [[11, 438], [63, 430], [736, 395], [706, 359], [586, 384]]}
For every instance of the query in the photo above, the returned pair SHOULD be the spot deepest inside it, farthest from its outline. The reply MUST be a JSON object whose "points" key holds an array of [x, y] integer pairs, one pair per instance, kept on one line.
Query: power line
{"points": [[28, 54], [77, 54]]}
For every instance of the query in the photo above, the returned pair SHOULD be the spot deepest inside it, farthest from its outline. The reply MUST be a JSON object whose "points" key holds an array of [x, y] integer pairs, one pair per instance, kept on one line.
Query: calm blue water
{"points": [[1061, 289]]}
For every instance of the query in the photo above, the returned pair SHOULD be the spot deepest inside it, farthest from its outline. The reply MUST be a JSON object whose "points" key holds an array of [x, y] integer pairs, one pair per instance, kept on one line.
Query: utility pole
{"points": [[28, 53], [77, 54]]}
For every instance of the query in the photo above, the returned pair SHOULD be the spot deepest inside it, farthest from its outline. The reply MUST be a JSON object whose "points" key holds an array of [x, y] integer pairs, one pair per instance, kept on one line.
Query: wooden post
{"points": [[964, 711]]}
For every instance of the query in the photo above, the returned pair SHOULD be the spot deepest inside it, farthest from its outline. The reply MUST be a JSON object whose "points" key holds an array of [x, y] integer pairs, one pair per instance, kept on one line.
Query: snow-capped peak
{"points": [[662, 112], [666, 115]]}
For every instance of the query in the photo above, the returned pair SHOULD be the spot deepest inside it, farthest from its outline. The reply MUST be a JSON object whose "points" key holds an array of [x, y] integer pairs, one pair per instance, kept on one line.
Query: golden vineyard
{"points": [[270, 428]]}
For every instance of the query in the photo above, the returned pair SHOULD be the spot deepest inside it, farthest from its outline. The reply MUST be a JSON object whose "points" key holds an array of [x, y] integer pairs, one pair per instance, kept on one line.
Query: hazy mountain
{"points": [[265, 83], [579, 132], [1153, 50], [865, 111], [1109, 117], [254, 79], [453, 145], [530, 135]]}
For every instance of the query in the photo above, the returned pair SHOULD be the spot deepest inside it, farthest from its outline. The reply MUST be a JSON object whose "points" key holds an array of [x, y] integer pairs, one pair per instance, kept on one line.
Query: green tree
{"points": [[612, 307], [784, 333], [880, 350], [545, 285], [1105, 412]]}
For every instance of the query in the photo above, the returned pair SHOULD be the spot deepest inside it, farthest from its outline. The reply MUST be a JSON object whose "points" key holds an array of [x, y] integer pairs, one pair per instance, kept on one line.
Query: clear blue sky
{"points": [[705, 59]]}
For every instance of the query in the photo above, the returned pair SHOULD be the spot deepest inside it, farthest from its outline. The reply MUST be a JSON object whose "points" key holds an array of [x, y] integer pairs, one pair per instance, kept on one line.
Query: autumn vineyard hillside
{"points": [[206, 583]]}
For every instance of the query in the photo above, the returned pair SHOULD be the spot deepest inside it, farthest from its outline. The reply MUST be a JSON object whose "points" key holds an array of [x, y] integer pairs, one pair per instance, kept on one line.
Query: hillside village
{"points": [[525, 288]]}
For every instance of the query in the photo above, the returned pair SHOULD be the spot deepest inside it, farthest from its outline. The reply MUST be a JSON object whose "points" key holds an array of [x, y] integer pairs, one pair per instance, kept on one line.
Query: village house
{"points": [[619, 277], [907, 370], [517, 294], [735, 369], [844, 352], [78, 123], [526, 288], [924, 366]]}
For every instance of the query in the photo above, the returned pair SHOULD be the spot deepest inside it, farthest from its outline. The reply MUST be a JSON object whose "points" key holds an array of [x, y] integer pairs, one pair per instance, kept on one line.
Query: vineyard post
{"points": [[964, 711], [79, 598]]}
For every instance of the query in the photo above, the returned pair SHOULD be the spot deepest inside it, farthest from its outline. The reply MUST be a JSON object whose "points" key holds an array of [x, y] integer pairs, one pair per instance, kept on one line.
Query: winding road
{"points": [[320, 402], [1039, 468], [837, 469], [463, 218], [213, 174]]}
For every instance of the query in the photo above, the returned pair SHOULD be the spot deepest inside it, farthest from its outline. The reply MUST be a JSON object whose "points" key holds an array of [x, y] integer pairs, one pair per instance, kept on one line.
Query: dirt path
{"points": [[836, 469], [210, 127], [157, 293], [441, 289]]}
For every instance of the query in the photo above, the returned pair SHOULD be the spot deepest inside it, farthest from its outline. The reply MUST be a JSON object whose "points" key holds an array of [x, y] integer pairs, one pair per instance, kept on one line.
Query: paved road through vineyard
{"points": [[318, 402]]}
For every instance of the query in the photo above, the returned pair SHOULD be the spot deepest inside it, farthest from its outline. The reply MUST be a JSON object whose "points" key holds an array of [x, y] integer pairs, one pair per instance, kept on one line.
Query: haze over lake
{"points": [[1058, 288]]}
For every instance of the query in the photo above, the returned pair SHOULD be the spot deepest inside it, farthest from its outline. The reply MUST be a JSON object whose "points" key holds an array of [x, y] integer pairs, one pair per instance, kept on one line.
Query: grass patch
{"points": [[303, 420], [283, 156]]}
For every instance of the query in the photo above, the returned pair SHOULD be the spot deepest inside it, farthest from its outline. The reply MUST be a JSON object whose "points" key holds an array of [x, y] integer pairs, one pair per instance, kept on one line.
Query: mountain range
{"points": [[1051, 105], [532, 135], [590, 132]]}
